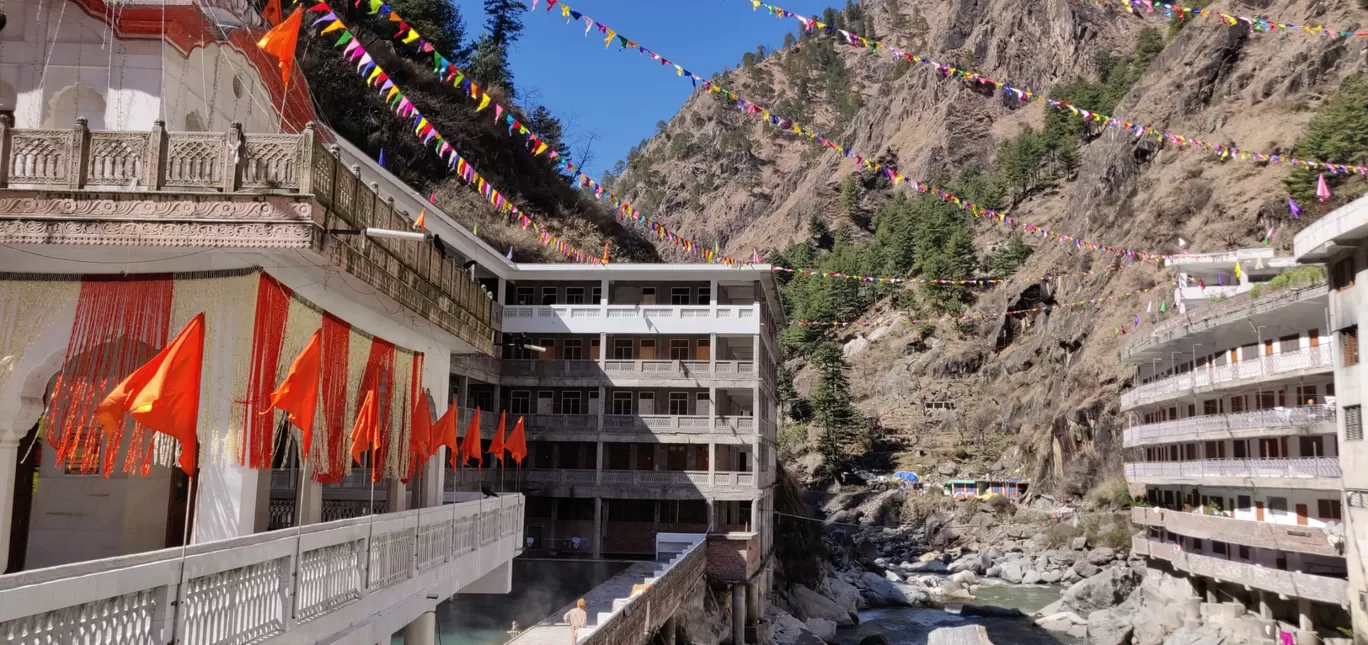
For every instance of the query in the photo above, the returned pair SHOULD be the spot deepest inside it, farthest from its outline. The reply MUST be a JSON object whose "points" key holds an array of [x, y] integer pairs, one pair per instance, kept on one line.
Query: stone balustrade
{"points": [[227, 190], [291, 586], [1305, 472], [1321, 358], [1267, 535], [1317, 419], [1293, 584], [588, 372]]}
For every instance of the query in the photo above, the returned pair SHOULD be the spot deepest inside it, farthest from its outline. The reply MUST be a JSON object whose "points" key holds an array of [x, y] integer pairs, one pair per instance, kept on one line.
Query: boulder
{"points": [[965, 578], [992, 611], [929, 566], [875, 639], [993, 571], [1053, 608], [929, 556], [822, 628], [1065, 622], [1110, 627], [1204, 635], [1062, 558], [1086, 569], [947, 468], [1102, 591], [1032, 577], [810, 604], [1013, 571], [966, 635], [1101, 556], [844, 594], [892, 577], [1070, 577], [1050, 577], [972, 563], [1080, 543], [892, 593], [787, 630]]}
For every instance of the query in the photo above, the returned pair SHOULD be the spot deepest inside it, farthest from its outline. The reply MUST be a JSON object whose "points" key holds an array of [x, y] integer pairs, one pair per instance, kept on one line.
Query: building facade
{"points": [[1233, 441]]}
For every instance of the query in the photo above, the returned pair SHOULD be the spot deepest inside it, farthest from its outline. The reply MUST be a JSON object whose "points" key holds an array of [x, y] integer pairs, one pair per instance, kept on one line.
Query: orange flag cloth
{"points": [[496, 445], [422, 428], [470, 448], [281, 42], [164, 393], [272, 12], [297, 394], [444, 434], [366, 432], [517, 442], [421, 222]]}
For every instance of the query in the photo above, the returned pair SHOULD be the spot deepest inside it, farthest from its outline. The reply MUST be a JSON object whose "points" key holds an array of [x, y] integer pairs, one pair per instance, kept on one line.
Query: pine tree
{"points": [[489, 64], [789, 41], [819, 232], [504, 21], [440, 23], [850, 197], [1010, 257], [549, 127], [1338, 132], [833, 411]]}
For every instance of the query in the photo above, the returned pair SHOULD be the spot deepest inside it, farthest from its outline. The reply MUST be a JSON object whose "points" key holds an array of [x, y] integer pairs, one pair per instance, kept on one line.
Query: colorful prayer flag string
{"points": [[753, 109], [1049, 277], [947, 72], [1255, 25], [419, 126]]}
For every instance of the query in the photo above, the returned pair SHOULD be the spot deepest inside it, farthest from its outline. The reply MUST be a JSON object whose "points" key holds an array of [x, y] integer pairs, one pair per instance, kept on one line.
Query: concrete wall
{"points": [[1347, 306]]}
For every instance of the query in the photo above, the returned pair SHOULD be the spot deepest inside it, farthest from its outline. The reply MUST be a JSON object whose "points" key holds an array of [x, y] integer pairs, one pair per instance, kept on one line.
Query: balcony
{"points": [[1332, 233], [1307, 359], [269, 193], [632, 319], [1308, 419], [294, 586], [1293, 584], [621, 373], [676, 484], [634, 423], [1264, 535], [1319, 473], [1213, 323]]}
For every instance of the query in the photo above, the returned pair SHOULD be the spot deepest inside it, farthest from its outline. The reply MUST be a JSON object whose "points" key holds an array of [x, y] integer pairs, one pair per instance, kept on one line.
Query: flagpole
{"points": [[185, 542]]}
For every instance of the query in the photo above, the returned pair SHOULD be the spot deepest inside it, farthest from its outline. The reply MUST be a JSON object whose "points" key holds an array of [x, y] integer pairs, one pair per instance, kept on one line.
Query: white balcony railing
{"points": [[1322, 357], [699, 479], [1216, 426], [1301, 468], [291, 586], [1293, 584], [1263, 534], [631, 318]]}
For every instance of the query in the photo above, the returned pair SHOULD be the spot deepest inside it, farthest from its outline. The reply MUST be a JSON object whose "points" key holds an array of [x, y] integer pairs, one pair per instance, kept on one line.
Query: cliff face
{"points": [[1035, 396]]}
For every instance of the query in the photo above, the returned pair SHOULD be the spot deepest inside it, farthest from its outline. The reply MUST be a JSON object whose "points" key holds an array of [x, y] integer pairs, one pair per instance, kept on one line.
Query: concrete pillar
{"points": [[1304, 615], [598, 460], [603, 398], [396, 496], [227, 501], [712, 401], [9, 462], [1211, 593], [738, 594], [502, 296], [668, 631], [1265, 609], [312, 496], [430, 485], [422, 631], [597, 541]]}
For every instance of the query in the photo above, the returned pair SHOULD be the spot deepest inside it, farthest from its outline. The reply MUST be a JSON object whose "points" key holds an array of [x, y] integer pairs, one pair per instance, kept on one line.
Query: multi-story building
{"points": [[1233, 441], [1339, 240]]}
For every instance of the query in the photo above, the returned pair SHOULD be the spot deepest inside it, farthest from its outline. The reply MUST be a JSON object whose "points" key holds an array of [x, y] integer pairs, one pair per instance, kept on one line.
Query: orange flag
{"points": [[281, 41], [272, 12], [421, 222], [164, 393], [470, 449], [297, 395], [444, 434], [496, 445], [517, 442], [366, 432], [422, 428]]}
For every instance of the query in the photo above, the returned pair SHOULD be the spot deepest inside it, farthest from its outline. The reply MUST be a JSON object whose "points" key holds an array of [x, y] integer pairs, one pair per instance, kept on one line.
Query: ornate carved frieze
{"points": [[160, 234], [152, 206]]}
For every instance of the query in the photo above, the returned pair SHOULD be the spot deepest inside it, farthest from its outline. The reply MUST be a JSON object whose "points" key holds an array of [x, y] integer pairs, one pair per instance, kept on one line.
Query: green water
{"points": [[912, 626]]}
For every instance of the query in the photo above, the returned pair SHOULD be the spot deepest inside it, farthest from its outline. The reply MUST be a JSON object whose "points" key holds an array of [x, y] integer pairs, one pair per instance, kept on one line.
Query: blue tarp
{"points": [[907, 476]]}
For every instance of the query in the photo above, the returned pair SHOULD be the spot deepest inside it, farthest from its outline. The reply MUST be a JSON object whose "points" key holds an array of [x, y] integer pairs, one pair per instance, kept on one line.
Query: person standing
{"points": [[576, 618]]}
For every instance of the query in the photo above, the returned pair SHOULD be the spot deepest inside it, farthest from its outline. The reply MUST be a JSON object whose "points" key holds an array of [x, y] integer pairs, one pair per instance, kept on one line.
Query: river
{"points": [[911, 626]]}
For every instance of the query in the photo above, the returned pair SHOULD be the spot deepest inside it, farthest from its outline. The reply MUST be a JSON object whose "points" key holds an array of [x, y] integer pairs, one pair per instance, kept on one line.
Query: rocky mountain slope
{"points": [[1035, 396]]}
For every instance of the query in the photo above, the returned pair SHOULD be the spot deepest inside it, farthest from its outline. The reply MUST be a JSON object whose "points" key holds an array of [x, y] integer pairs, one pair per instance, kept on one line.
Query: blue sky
{"points": [[620, 95]]}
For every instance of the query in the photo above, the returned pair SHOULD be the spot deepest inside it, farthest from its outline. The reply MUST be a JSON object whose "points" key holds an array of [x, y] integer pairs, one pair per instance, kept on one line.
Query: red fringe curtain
{"points": [[331, 464], [379, 376], [120, 324], [268, 335]]}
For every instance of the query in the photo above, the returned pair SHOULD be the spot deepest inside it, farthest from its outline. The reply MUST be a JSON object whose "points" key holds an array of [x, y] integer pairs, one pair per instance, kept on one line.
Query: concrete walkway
{"points": [[554, 631]]}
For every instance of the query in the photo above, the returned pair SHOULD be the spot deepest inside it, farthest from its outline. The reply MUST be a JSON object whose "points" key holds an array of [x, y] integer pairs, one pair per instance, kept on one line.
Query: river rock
{"points": [[892, 577], [875, 639], [1110, 626], [966, 635], [929, 566], [993, 572], [972, 563], [844, 594], [1080, 543], [992, 611], [1031, 577], [787, 630], [1061, 558], [965, 578], [1013, 571], [1086, 569], [810, 604], [1101, 556], [1050, 577], [822, 628], [947, 468], [896, 594], [1070, 577], [1065, 622], [1102, 591]]}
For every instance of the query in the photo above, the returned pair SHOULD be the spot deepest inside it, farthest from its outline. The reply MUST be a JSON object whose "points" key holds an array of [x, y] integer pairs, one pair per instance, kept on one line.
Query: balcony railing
{"points": [[675, 423], [254, 170], [682, 319], [284, 586], [619, 312], [1231, 309], [1303, 468], [700, 479], [1218, 426], [1294, 584], [1266, 535], [1322, 357]]}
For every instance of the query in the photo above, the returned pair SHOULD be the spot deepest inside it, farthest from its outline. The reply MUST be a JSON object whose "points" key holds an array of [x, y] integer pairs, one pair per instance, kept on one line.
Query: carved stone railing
{"points": [[292, 586], [278, 191], [1267, 535], [1293, 584]]}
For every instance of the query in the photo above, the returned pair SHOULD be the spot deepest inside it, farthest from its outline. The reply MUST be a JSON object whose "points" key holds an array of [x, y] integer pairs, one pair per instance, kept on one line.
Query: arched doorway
{"points": [[72, 101]]}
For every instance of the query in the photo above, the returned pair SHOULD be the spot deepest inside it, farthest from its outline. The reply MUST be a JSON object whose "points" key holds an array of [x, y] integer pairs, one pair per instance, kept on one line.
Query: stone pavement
{"points": [[554, 631]]}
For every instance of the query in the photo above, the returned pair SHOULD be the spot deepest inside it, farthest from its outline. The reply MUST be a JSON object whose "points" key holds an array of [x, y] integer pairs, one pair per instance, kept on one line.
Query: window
{"points": [[574, 295], [1342, 273], [571, 403], [523, 295], [1353, 423], [631, 510], [1329, 509], [679, 350], [596, 295], [679, 295], [83, 462], [1267, 400], [1277, 506], [648, 295], [1212, 406], [1288, 344], [1306, 395], [679, 403], [1243, 504], [573, 350], [548, 296], [705, 295], [1219, 548], [1244, 552], [622, 403], [521, 402], [1349, 345], [622, 349], [1313, 446], [1237, 404]]}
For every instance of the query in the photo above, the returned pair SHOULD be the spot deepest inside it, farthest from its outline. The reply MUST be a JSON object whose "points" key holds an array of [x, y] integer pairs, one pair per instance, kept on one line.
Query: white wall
{"points": [[1293, 497]]}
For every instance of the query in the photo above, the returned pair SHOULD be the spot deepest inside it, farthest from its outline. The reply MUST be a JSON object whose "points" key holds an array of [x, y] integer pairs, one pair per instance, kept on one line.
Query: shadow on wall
{"points": [[540, 589]]}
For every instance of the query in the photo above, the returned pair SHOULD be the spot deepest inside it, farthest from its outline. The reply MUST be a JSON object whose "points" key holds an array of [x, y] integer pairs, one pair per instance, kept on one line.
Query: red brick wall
{"points": [[732, 559]]}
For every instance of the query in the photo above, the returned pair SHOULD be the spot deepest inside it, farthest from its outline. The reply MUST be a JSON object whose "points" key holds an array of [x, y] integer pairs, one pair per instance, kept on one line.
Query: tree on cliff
{"points": [[832, 410]]}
